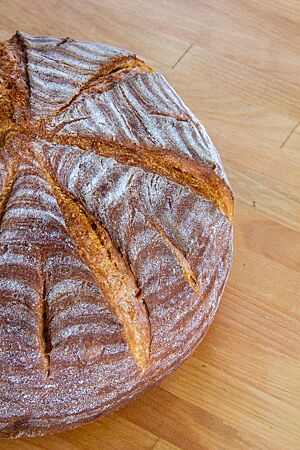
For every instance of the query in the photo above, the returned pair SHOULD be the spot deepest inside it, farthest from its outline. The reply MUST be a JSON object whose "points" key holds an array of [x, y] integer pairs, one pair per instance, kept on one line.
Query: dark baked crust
{"points": [[116, 232]]}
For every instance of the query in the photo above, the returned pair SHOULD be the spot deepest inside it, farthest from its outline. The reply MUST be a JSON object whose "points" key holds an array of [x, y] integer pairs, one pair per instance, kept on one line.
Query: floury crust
{"points": [[116, 232]]}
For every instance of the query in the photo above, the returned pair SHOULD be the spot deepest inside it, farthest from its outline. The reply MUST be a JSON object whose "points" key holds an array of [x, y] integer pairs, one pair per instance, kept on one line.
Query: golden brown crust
{"points": [[198, 176], [109, 272], [115, 234]]}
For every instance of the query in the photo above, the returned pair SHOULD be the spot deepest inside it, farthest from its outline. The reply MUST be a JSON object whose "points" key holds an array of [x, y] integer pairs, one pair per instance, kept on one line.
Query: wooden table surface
{"points": [[236, 63]]}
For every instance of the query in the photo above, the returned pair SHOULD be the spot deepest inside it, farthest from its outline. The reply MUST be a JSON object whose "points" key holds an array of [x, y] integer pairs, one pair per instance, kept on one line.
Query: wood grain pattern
{"points": [[236, 64]]}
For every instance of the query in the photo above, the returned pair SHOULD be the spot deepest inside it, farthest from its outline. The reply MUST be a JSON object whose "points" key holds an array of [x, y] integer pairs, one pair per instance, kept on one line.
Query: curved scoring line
{"points": [[114, 68], [184, 264], [5, 193], [109, 270], [45, 335], [110, 73], [200, 177]]}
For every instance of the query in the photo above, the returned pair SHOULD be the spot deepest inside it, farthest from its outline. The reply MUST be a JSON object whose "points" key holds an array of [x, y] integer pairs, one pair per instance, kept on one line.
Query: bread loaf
{"points": [[116, 231]]}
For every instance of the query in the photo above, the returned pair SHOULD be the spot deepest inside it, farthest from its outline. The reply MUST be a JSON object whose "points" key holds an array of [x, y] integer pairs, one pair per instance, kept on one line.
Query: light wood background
{"points": [[236, 63]]}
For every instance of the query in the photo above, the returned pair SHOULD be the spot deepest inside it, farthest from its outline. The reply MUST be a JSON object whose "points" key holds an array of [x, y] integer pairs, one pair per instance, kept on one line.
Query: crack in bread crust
{"points": [[108, 77], [187, 271], [110, 272], [201, 178], [6, 191], [14, 86], [45, 337]]}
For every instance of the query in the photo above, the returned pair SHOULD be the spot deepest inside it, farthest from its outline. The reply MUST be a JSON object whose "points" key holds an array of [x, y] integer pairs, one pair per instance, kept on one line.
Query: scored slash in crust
{"points": [[116, 231]]}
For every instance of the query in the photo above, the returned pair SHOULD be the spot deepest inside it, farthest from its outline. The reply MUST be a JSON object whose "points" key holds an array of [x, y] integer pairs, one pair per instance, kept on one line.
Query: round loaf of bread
{"points": [[116, 231]]}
